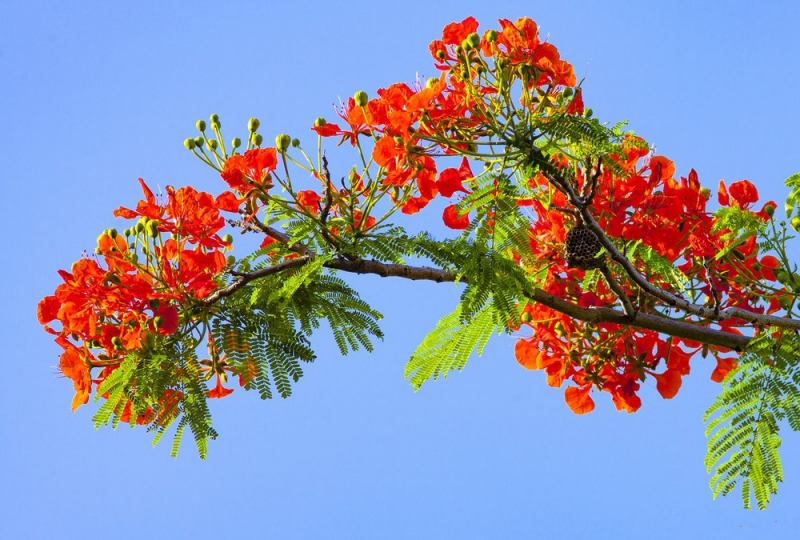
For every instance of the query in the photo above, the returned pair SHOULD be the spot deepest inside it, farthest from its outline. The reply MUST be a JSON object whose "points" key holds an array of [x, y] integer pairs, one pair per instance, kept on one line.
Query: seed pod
{"points": [[582, 247]]}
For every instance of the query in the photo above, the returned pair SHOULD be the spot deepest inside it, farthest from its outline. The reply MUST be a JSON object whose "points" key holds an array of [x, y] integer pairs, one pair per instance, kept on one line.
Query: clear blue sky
{"points": [[95, 95]]}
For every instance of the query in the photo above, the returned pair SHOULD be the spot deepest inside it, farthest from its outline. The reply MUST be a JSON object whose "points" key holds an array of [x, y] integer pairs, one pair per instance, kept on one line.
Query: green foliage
{"points": [[450, 345], [656, 265], [793, 199], [161, 389], [742, 425], [741, 225]]}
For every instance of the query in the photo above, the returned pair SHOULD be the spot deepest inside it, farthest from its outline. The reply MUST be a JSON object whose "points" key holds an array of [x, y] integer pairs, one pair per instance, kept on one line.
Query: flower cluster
{"points": [[138, 284]]}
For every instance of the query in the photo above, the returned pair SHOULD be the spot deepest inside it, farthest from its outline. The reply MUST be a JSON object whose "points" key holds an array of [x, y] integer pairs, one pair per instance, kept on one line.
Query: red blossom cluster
{"points": [[142, 280], [137, 284]]}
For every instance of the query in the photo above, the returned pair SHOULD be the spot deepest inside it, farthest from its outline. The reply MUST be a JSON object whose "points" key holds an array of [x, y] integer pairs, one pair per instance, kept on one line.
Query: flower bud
{"points": [[491, 36], [319, 122], [705, 192], [769, 210], [567, 92], [258, 139], [152, 228], [466, 44], [200, 125], [796, 223], [214, 118], [199, 142], [252, 125], [212, 143], [141, 224], [430, 83], [236, 142], [116, 342], [295, 143], [227, 239], [440, 54], [282, 142], [526, 317], [474, 39], [361, 98], [112, 233], [189, 144]]}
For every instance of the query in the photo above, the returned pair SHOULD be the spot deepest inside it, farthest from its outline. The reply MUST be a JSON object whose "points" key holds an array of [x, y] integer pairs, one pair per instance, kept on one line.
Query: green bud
{"points": [[282, 142], [236, 142], [361, 98], [431, 82], [474, 39], [526, 317], [227, 239], [440, 55], [214, 118], [128, 232], [199, 142], [705, 192], [189, 144], [466, 45], [295, 143], [252, 124], [459, 49], [319, 122], [116, 342], [258, 139], [200, 125], [152, 228], [212, 143], [769, 210], [112, 233], [796, 223], [491, 36], [141, 224]]}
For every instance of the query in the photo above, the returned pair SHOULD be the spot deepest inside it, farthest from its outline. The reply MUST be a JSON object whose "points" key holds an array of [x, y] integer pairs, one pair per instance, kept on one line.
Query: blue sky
{"points": [[95, 95]]}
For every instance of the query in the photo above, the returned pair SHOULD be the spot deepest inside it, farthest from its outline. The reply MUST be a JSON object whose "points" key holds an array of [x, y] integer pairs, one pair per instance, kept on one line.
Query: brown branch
{"points": [[673, 300], [647, 321]]}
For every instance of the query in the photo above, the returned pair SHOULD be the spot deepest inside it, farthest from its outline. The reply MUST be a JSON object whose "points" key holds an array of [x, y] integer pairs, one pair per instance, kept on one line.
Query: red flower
{"points": [[744, 193], [219, 391], [724, 366], [668, 383], [579, 399], [451, 180], [453, 219], [242, 172]]}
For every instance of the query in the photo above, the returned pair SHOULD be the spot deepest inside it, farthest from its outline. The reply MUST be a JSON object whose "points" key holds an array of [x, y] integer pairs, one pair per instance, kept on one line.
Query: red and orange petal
{"points": [[528, 354], [453, 219], [72, 365], [724, 366], [579, 399], [743, 192], [668, 383], [219, 391], [47, 310]]}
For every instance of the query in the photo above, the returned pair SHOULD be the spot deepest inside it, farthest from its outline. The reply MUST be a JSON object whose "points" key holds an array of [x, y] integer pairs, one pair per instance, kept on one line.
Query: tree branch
{"points": [[647, 321]]}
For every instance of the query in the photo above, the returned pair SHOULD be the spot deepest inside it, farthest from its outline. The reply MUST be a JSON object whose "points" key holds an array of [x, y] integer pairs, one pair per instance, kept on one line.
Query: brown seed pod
{"points": [[582, 247]]}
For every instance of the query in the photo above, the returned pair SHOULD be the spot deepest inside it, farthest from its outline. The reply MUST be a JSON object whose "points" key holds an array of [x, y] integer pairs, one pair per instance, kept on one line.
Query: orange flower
{"points": [[579, 399]]}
